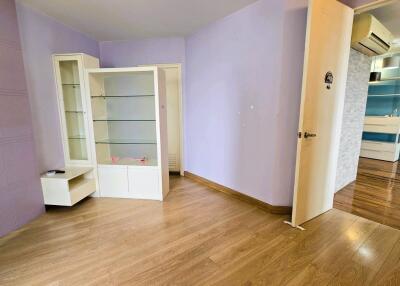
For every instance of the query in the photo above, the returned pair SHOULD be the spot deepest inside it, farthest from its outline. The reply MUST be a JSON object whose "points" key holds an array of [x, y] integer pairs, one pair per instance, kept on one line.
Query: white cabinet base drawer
{"points": [[380, 155], [133, 182], [380, 150], [378, 146], [381, 124], [113, 181], [144, 183]]}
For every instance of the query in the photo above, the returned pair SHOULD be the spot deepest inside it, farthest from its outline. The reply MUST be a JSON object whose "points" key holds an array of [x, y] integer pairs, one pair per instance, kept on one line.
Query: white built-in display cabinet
{"points": [[129, 130], [114, 132], [79, 179]]}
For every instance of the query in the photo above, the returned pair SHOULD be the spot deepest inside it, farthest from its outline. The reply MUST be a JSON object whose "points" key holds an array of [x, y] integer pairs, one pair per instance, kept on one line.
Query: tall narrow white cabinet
{"points": [[79, 180], [129, 131], [69, 70]]}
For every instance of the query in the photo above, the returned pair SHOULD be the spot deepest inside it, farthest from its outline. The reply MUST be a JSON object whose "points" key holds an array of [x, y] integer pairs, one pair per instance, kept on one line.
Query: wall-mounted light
{"points": [[391, 62]]}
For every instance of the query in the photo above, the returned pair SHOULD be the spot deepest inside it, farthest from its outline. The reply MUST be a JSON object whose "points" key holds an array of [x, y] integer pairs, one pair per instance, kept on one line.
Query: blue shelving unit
{"points": [[384, 98], [383, 101]]}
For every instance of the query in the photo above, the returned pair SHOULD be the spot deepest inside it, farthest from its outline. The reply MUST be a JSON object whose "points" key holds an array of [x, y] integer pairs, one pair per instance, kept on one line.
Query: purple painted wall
{"points": [[20, 194], [41, 37], [142, 52], [242, 85], [243, 92]]}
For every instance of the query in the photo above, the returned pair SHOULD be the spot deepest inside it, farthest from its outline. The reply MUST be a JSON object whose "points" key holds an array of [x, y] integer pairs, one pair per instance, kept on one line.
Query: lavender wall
{"points": [[242, 99], [242, 83], [20, 194], [243, 77], [142, 52], [41, 37]]}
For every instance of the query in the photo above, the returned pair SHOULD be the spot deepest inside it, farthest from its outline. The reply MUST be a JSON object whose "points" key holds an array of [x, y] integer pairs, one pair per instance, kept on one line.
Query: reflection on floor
{"points": [[196, 237], [375, 194]]}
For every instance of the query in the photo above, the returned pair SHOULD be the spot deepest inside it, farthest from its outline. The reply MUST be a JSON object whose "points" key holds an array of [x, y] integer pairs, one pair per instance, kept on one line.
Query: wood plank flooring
{"points": [[375, 194], [196, 237]]}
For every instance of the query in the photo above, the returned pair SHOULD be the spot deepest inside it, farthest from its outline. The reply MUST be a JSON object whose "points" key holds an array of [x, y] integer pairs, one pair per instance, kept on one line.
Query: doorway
{"points": [[368, 172], [324, 83], [173, 83]]}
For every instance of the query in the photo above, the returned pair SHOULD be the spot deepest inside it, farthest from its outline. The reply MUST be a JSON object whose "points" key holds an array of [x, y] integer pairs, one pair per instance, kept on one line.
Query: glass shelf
{"points": [[124, 120], [73, 84], [122, 96], [126, 141], [74, 111], [129, 162], [379, 95], [77, 138]]}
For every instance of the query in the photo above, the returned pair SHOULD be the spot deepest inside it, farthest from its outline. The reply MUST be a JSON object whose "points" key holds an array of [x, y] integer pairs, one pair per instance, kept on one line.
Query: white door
{"points": [[327, 52]]}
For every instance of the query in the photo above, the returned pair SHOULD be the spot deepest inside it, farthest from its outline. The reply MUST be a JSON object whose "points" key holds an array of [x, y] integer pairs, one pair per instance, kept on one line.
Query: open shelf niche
{"points": [[124, 120]]}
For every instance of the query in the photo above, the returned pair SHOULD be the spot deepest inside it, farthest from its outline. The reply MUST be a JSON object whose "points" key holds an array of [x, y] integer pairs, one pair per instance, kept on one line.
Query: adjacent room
{"points": [[367, 179], [189, 142]]}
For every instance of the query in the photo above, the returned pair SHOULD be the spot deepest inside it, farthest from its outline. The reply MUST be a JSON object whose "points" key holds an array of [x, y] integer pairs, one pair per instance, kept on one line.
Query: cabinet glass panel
{"points": [[74, 112], [124, 118]]}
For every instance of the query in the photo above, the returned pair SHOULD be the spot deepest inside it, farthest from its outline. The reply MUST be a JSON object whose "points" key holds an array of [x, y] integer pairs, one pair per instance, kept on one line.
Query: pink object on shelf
{"points": [[141, 160], [114, 159]]}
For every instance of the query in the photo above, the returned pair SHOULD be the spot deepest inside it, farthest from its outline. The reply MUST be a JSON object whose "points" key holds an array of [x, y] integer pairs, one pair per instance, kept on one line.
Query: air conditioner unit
{"points": [[370, 37]]}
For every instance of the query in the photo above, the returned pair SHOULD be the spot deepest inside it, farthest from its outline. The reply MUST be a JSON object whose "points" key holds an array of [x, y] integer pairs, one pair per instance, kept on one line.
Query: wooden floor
{"points": [[375, 194], [197, 237]]}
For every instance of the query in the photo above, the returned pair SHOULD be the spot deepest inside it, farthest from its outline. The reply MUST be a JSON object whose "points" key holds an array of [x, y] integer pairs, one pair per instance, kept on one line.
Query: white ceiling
{"points": [[389, 16], [107, 20]]}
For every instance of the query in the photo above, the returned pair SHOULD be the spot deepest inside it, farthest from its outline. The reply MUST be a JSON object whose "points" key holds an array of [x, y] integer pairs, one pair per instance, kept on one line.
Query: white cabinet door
{"points": [[144, 183], [113, 181]]}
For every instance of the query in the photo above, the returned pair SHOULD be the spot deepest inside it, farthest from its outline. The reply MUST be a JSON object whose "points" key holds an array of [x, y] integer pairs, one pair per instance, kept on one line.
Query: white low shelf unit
{"points": [[387, 151], [69, 188]]}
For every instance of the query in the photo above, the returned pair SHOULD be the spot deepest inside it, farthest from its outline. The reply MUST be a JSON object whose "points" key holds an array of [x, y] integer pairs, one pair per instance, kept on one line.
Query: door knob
{"points": [[306, 135]]}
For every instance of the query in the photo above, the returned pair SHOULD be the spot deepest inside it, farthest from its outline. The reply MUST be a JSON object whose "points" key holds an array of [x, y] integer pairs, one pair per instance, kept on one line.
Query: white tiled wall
{"points": [[353, 118]]}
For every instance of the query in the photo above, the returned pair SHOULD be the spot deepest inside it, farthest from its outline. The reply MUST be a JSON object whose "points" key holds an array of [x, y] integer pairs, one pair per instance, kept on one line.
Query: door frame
{"points": [[181, 112]]}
